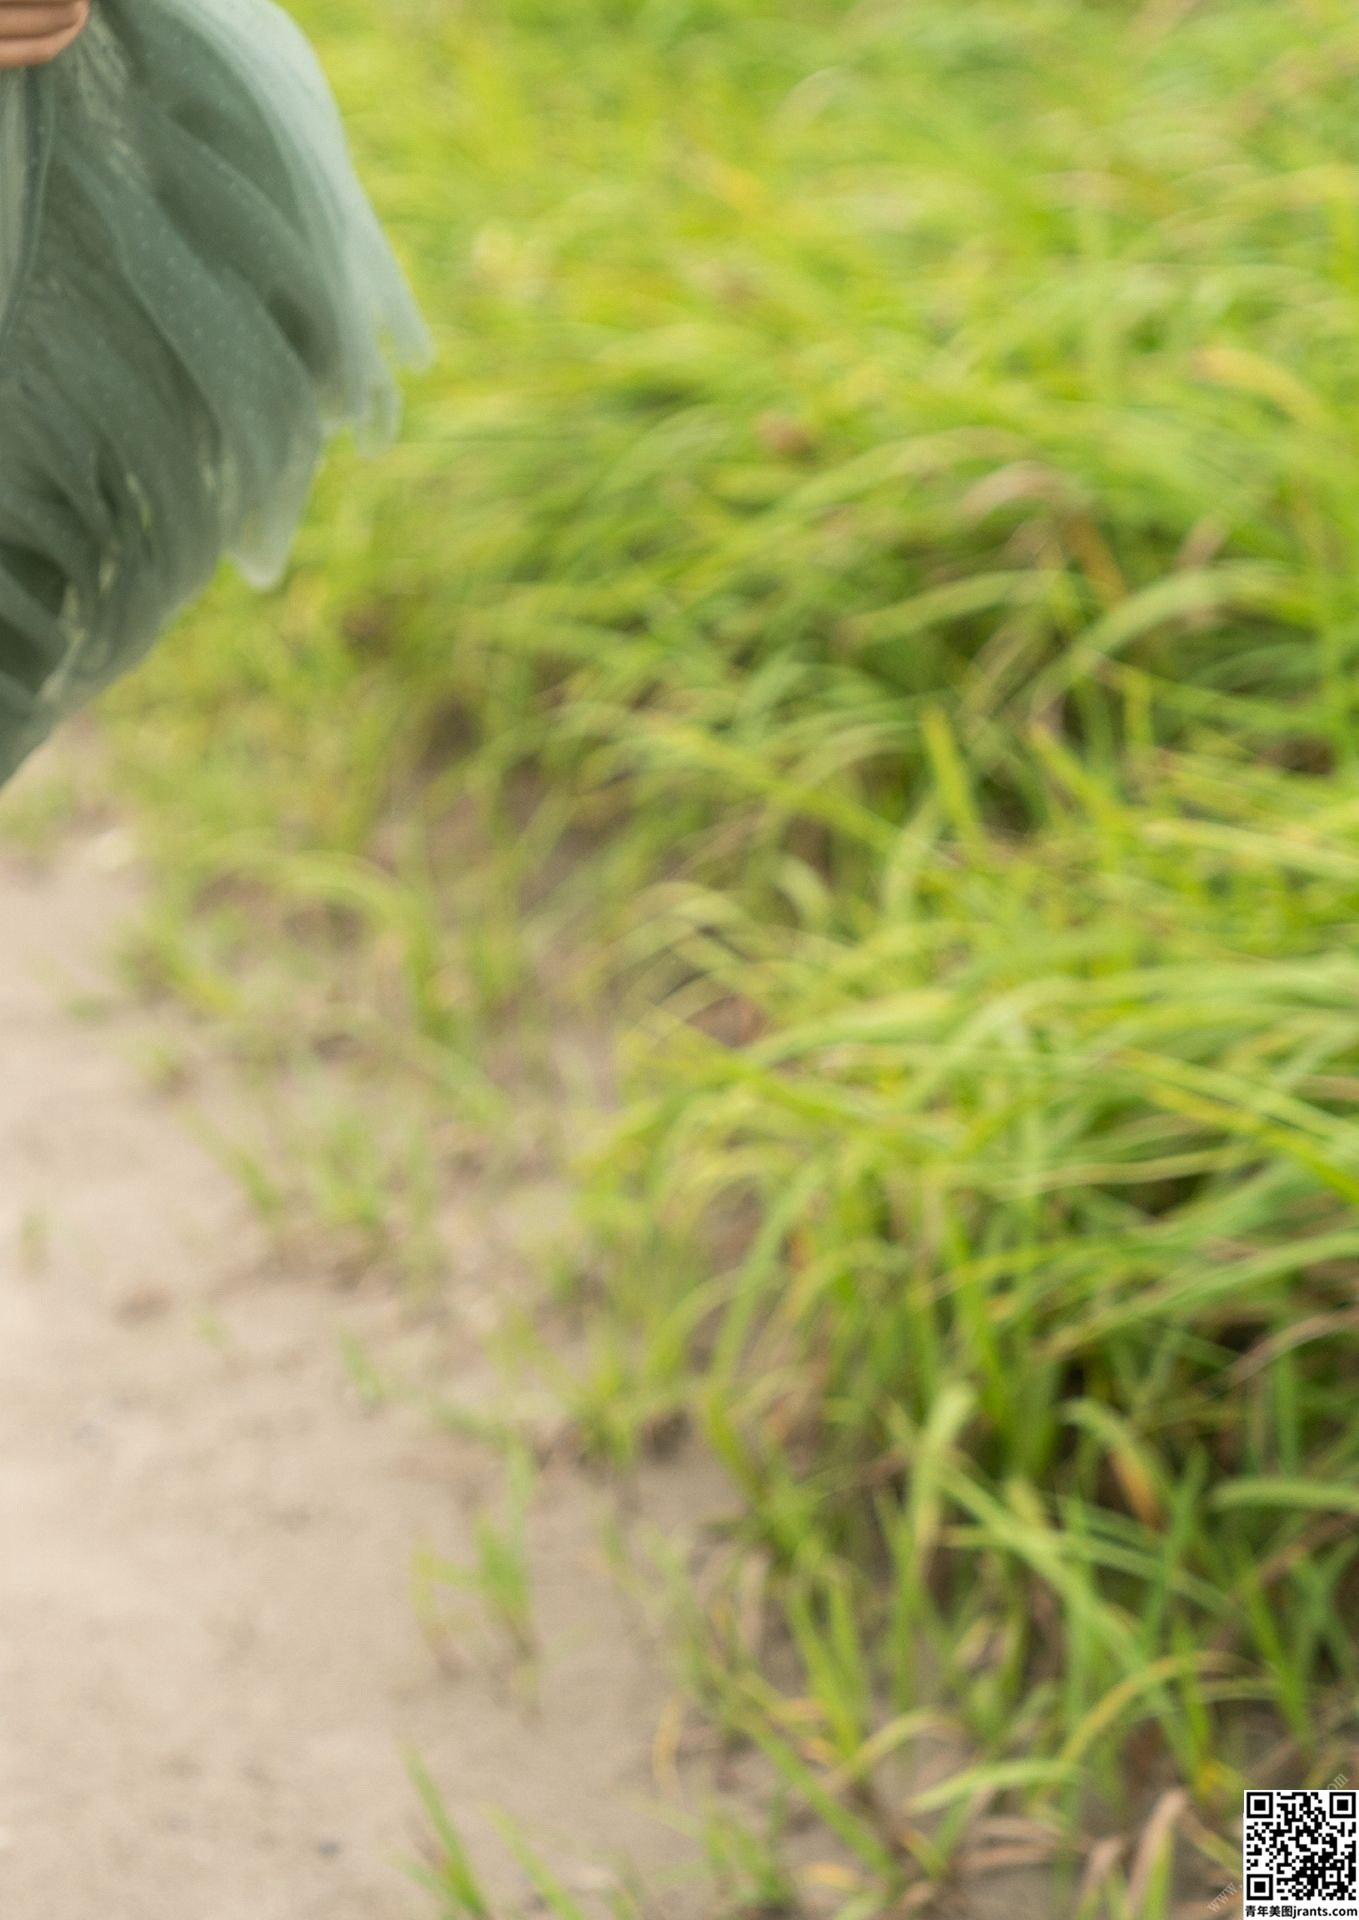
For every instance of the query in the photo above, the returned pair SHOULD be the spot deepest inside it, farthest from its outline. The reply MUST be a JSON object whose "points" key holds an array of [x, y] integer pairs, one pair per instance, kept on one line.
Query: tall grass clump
{"points": [[874, 571], [998, 1231]]}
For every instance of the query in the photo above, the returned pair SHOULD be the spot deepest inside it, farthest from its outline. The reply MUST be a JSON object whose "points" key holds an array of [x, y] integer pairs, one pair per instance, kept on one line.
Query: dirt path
{"points": [[209, 1660]]}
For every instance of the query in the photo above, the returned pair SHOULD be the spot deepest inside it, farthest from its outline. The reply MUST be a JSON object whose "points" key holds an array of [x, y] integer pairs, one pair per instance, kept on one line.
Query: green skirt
{"points": [[194, 293]]}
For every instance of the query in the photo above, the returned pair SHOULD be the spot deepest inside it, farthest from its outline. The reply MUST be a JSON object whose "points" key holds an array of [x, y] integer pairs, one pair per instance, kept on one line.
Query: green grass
{"points": [[870, 585], [499, 1577]]}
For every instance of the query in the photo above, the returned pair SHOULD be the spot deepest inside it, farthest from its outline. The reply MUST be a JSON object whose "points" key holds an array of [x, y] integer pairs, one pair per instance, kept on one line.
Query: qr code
{"points": [[1300, 1855]]}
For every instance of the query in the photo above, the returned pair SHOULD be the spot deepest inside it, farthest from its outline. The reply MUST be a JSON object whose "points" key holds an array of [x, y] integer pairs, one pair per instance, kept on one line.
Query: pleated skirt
{"points": [[194, 294]]}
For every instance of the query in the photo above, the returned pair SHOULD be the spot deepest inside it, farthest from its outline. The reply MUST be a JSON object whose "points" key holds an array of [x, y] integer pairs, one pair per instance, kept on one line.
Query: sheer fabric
{"points": [[194, 293]]}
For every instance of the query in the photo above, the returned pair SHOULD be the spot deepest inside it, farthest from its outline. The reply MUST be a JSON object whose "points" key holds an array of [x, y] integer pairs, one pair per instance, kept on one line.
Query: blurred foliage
{"points": [[872, 575]]}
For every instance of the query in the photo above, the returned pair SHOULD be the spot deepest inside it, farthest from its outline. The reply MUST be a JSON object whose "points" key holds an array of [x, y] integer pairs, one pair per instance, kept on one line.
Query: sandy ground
{"points": [[210, 1665]]}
